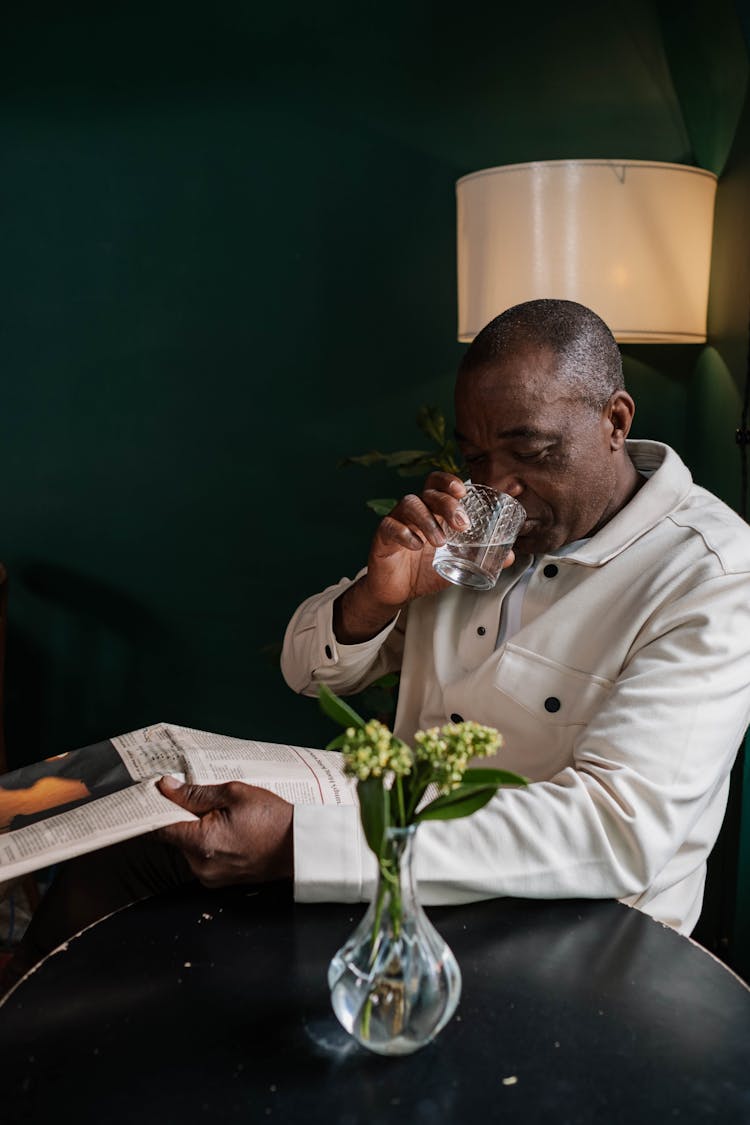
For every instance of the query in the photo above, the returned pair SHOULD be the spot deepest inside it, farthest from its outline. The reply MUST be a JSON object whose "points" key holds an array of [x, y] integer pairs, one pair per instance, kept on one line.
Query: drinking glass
{"points": [[474, 558]]}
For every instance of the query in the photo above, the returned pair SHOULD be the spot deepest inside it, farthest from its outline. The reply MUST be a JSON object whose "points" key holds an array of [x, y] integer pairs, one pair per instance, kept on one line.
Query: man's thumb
{"points": [[198, 799]]}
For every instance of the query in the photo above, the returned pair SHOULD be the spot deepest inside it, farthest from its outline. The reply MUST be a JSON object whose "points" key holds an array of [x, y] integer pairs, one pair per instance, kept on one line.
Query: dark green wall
{"points": [[228, 259]]}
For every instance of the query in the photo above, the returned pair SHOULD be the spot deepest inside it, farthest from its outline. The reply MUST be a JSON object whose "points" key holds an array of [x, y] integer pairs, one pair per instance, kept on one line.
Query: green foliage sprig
{"points": [[413, 462], [393, 778]]}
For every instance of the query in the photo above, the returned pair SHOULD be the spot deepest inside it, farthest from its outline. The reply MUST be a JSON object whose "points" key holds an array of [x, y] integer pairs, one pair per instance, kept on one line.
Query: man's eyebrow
{"points": [[516, 432]]}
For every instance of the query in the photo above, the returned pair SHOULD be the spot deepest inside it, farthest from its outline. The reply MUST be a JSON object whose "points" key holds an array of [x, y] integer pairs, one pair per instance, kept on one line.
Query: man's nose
{"points": [[510, 484]]}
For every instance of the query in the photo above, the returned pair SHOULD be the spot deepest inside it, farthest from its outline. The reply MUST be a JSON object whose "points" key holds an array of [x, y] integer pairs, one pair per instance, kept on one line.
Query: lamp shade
{"points": [[629, 238]]}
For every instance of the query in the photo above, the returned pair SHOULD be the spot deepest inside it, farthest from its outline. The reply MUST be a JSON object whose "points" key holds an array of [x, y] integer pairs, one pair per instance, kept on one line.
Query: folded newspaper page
{"points": [[97, 795]]}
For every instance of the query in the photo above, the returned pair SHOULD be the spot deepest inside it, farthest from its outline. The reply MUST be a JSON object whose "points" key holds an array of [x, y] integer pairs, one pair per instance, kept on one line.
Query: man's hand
{"points": [[244, 834], [399, 566]]}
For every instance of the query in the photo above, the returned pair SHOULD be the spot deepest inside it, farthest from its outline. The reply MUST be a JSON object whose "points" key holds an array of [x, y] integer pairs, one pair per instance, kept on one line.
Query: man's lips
{"points": [[528, 537]]}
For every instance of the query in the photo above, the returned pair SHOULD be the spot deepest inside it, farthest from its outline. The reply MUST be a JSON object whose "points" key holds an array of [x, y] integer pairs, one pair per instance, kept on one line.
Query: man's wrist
{"points": [[358, 617]]}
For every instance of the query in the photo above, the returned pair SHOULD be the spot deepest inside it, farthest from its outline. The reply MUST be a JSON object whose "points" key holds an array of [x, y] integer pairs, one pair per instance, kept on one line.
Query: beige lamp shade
{"points": [[629, 238]]}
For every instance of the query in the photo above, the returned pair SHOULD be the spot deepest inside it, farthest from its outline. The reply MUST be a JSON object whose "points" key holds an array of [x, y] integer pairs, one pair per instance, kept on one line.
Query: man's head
{"points": [[541, 413]]}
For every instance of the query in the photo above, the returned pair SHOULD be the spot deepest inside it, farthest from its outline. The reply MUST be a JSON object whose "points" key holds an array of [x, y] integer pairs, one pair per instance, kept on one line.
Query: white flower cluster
{"points": [[449, 749], [372, 751]]}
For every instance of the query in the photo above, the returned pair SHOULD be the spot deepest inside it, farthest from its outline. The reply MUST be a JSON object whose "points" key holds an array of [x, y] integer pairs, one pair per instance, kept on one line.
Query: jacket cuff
{"points": [[331, 860]]}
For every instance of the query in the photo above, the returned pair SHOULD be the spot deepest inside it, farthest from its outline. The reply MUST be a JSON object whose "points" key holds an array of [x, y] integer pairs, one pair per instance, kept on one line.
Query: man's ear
{"points": [[619, 412]]}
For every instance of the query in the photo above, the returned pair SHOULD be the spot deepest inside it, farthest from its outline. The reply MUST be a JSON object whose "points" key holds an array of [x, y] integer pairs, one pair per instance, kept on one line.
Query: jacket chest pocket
{"points": [[555, 695]]}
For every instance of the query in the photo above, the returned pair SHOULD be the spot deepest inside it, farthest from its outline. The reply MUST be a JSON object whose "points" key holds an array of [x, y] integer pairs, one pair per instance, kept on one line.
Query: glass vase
{"points": [[395, 983]]}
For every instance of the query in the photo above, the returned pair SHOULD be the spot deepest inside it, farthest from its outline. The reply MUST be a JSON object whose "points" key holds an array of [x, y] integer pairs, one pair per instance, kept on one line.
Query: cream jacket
{"points": [[624, 697]]}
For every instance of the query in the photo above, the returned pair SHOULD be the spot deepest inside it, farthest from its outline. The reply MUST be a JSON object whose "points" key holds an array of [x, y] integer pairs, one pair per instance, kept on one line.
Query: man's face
{"points": [[521, 431]]}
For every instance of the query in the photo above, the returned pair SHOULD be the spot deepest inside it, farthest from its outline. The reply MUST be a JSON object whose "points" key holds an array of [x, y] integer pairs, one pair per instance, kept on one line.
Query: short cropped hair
{"points": [[590, 360]]}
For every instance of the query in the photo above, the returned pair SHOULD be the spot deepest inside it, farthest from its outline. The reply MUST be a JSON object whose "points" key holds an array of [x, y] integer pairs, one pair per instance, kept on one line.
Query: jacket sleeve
{"points": [[311, 655], [637, 813]]}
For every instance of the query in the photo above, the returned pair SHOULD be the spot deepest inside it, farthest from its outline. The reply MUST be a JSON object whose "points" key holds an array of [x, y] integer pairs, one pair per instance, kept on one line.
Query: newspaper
{"points": [[97, 795]]}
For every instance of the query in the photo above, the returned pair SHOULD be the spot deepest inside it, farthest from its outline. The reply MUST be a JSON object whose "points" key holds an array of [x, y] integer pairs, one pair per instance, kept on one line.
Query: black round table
{"points": [[213, 1006]]}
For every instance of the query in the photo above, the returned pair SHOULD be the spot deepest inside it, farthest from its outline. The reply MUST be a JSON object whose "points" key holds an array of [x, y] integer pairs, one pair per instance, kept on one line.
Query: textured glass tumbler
{"points": [[474, 558]]}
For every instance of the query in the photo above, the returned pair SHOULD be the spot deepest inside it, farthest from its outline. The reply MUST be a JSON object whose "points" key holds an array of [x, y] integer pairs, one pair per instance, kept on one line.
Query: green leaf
{"points": [[337, 710], [374, 808], [493, 777], [403, 457], [337, 742], [431, 422], [394, 460], [382, 507], [418, 468], [477, 788], [459, 802], [374, 457], [388, 680], [448, 460]]}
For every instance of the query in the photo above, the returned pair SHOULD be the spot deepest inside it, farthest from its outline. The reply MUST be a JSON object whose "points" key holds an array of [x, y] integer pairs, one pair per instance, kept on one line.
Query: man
{"points": [[613, 655]]}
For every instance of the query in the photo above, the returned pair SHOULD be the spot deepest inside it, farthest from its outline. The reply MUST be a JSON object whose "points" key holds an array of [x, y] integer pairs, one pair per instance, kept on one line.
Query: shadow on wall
{"points": [[101, 653]]}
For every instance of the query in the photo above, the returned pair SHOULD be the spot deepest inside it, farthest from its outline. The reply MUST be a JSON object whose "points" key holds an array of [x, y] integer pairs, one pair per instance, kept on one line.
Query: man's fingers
{"points": [[448, 507], [446, 482], [393, 535], [188, 835], [411, 523]]}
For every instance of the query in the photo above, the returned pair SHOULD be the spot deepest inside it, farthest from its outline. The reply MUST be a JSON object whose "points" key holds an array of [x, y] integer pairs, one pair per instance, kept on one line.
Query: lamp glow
{"points": [[629, 238]]}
